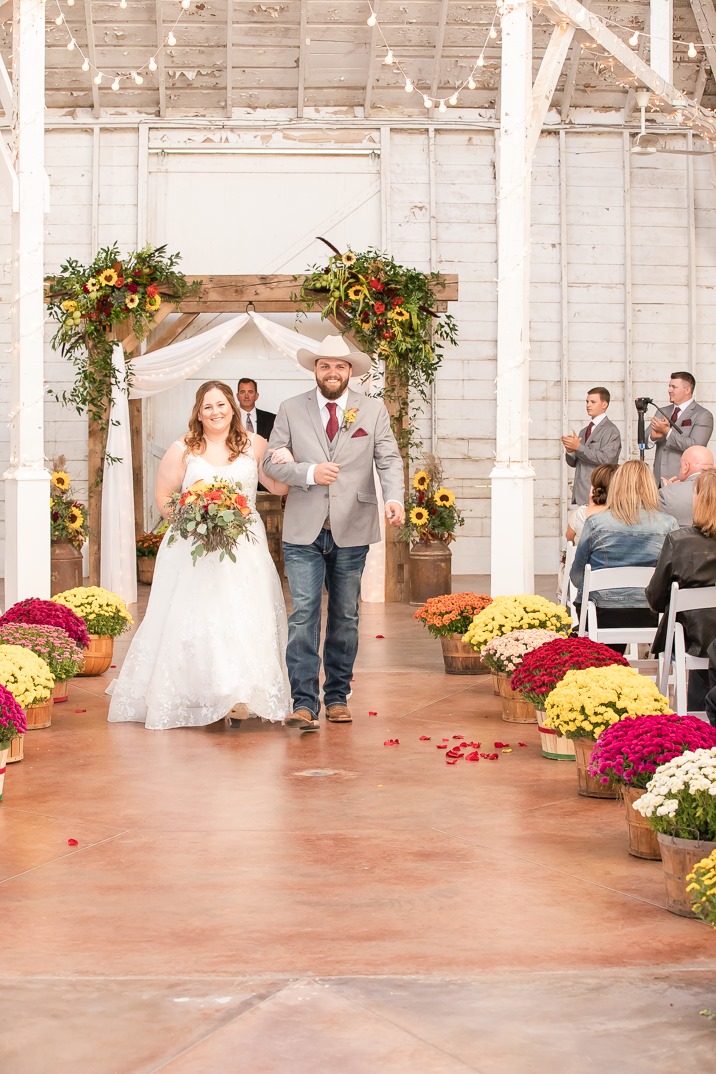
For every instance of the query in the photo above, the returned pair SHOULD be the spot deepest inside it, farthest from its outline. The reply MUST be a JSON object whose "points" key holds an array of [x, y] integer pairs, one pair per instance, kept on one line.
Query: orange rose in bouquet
{"points": [[212, 516]]}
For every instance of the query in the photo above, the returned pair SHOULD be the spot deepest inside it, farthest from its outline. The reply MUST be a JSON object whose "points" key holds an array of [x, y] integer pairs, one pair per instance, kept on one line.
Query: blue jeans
{"points": [[308, 568]]}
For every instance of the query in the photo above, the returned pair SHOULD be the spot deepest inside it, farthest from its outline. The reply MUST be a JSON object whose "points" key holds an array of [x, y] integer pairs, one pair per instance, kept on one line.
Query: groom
{"points": [[335, 436]]}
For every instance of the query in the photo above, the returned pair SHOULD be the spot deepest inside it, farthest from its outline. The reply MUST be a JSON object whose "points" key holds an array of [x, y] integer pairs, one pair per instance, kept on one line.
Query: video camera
{"points": [[642, 403]]}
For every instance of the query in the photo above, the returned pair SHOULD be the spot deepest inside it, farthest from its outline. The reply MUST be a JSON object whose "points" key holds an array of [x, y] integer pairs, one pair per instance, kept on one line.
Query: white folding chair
{"points": [[616, 578], [682, 600], [569, 591]]}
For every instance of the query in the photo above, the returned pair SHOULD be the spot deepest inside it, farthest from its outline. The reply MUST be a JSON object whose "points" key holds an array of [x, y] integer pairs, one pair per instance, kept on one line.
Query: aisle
{"points": [[256, 901]]}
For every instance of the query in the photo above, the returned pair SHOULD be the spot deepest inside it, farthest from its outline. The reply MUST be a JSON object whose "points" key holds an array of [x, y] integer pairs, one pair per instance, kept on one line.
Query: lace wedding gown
{"points": [[214, 633]]}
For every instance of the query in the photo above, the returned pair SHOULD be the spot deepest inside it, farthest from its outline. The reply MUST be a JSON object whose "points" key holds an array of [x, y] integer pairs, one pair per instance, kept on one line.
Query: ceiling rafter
{"points": [[303, 43], [706, 21], [91, 55], [570, 81], [439, 42], [546, 82], [161, 68], [701, 82], [229, 58]]}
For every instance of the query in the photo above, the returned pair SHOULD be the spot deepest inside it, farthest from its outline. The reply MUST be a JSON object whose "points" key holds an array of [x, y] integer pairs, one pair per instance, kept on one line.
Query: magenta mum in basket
{"points": [[12, 719], [47, 613], [629, 752]]}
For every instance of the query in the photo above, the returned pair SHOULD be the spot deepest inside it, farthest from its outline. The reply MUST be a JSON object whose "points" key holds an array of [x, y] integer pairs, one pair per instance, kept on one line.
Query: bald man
{"points": [[676, 496]]}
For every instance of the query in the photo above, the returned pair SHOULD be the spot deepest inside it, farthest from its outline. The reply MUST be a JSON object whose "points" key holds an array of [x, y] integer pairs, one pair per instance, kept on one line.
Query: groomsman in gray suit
{"points": [[676, 495], [690, 424], [598, 443], [325, 445]]}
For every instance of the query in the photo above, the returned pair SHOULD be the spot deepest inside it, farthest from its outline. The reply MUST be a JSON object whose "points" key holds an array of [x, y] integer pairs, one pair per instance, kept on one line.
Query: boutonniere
{"points": [[349, 417]]}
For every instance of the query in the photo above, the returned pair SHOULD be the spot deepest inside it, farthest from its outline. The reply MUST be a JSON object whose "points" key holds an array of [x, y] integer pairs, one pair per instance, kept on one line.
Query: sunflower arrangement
{"points": [[68, 517], [430, 511], [88, 300]]}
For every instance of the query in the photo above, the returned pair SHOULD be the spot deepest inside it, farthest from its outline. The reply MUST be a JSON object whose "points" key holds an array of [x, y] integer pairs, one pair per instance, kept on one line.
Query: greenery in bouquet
{"points": [[505, 654], [524, 612], [390, 312], [25, 675], [629, 752], [67, 515], [543, 669], [62, 655], [584, 703], [104, 613], [680, 798], [451, 613], [33, 610], [148, 543], [701, 885], [214, 516], [430, 511], [13, 721], [87, 301]]}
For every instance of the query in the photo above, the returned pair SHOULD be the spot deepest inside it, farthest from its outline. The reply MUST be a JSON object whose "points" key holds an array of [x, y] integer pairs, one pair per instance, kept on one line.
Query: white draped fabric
{"points": [[153, 373]]}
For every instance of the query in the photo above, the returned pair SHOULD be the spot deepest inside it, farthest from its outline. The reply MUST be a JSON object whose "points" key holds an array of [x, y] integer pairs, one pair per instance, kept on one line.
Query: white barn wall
{"points": [[619, 210]]}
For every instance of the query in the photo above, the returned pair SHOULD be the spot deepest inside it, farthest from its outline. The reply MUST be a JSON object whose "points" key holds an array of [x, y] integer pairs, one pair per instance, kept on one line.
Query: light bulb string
{"points": [[428, 98], [636, 33], [74, 45]]}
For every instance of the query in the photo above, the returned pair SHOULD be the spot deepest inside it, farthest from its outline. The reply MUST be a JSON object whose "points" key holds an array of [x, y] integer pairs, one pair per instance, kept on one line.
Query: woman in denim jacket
{"points": [[630, 533]]}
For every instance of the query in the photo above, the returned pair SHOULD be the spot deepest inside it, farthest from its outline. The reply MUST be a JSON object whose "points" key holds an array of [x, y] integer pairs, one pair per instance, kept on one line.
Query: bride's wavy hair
{"points": [[236, 437]]}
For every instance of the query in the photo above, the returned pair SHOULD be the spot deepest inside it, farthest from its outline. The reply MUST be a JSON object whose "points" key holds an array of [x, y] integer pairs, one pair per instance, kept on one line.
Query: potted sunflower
{"points": [[68, 531], [431, 519]]}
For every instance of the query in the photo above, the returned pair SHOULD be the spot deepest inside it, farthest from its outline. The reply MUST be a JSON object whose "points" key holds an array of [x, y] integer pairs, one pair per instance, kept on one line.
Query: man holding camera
{"points": [[598, 443], [680, 426]]}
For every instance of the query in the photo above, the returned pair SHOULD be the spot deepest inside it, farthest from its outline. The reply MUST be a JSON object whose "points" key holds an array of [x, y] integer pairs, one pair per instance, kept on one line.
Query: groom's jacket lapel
{"points": [[314, 413], [346, 431]]}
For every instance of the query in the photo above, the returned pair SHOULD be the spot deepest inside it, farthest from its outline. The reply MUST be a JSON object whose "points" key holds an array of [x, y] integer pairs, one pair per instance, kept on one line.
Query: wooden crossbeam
{"points": [[229, 58], [705, 16], [302, 55], [161, 72], [439, 42], [372, 63], [571, 78], [546, 82], [91, 56]]}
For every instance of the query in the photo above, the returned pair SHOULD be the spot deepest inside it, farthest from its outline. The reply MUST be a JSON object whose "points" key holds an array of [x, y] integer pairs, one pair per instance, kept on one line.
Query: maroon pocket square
{"points": [[685, 423], [359, 432]]}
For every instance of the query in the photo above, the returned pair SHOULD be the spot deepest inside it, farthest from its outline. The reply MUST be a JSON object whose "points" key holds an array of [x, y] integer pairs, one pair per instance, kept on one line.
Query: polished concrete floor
{"points": [[261, 902]]}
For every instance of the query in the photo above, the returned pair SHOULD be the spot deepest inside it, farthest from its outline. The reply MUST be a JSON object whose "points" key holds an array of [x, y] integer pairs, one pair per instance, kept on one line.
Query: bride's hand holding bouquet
{"points": [[214, 516]]}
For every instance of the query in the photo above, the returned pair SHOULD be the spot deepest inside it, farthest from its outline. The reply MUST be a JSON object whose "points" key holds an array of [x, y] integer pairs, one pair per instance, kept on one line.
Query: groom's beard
{"points": [[334, 390]]}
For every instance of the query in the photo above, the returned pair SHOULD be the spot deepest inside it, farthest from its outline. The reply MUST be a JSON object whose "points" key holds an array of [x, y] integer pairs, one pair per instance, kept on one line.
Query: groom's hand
{"points": [[326, 473], [394, 513]]}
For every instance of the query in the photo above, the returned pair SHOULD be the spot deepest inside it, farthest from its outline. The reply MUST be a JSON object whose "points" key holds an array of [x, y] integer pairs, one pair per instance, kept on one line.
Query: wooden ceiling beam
{"points": [[570, 81], [439, 42], [546, 81], [229, 58], [303, 43], [372, 63], [705, 16], [91, 56], [161, 71]]}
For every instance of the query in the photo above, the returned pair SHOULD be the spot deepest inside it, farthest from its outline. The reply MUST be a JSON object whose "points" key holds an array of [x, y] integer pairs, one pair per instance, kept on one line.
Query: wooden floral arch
{"points": [[224, 294]]}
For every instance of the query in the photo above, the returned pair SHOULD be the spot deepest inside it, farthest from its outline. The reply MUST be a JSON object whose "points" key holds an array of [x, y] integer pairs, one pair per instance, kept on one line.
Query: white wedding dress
{"points": [[214, 633]]}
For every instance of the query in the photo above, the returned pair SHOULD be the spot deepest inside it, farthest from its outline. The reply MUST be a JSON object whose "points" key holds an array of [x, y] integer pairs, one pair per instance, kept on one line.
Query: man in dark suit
{"points": [[255, 420], [598, 443], [676, 495], [689, 424]]}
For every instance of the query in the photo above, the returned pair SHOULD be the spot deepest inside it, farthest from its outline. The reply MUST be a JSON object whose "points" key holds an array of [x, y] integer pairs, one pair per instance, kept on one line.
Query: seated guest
{"points": [[630, 533], [600, 479], [676, 495], [689, 558]]}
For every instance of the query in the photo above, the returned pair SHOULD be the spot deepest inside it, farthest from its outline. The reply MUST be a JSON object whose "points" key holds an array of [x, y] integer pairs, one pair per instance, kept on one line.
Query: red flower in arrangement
{"points": [[152, 290], [543, 668], [630, 751], [132, 288], [119, 282], [379, 307], [388, 335], [398, 301], [376, 284], [48, 613]]}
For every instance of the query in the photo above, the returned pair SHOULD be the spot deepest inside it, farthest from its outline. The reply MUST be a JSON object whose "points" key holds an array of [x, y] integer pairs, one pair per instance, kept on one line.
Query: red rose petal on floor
{"points": [[424, 738], [450, 760], [493, 756], [458, 736], [372, 713], [500, 745], [521, 743], [464, 745], [441, 746], [392, 742], [472, 756], [113, 665], [380, 635], [80, 710], [454, 753], [446, 740], [484, 755], [72, 843]]}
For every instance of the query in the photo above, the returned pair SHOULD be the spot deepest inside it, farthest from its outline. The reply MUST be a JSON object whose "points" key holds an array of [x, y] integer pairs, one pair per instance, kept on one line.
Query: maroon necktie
{"points": [[588, 431], [675, 413], [332, 427]]}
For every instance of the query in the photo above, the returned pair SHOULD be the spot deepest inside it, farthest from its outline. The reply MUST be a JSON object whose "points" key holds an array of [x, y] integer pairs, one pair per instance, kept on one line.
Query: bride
{"points": [[214, 633]]}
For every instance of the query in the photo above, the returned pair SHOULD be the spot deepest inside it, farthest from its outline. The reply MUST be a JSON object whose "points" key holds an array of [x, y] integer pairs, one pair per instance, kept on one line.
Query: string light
{"points": [[372, 18], [408, 86], [692, 51], [427, 102], [634, 39], [98, 75]]}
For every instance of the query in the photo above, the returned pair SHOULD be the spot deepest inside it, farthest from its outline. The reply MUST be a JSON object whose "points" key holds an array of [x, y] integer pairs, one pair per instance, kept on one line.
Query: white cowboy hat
{"points": [[334, 347]]}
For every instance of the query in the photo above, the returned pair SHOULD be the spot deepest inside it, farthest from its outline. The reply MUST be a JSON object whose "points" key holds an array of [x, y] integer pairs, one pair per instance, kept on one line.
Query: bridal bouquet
{"points": [[213, 516]]}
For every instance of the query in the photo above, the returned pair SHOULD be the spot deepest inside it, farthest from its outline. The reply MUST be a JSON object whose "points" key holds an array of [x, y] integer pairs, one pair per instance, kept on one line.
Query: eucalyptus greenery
{"points": [[389, 310]]}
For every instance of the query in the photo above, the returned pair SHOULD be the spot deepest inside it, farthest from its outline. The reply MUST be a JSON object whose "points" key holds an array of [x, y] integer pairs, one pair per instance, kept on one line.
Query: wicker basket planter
{"points": [[679, 856], [60, 691], [555, 747], [587, 786], [39, 716], [99, 655], [460, 658], [514, 708], [17, 749], [145, 569], [642, 838]]}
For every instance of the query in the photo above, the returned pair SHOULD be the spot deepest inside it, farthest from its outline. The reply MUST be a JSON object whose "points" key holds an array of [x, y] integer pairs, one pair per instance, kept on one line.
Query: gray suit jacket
{"points": [[677, 499], [604, 445], [697, 427], [351, 500]]}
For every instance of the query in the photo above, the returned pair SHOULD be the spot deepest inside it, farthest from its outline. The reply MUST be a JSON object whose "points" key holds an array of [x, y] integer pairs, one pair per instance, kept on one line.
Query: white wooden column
{"points": [[27, 482], [661, 27], [512, 528]]}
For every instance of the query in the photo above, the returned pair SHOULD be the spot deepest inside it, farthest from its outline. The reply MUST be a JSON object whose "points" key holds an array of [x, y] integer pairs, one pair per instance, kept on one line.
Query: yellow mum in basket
{"points": [[526, 611], [104, 613]]}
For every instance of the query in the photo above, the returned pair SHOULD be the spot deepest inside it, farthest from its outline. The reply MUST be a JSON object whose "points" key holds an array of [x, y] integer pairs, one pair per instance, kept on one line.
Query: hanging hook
{"points": [[250, 303]]}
